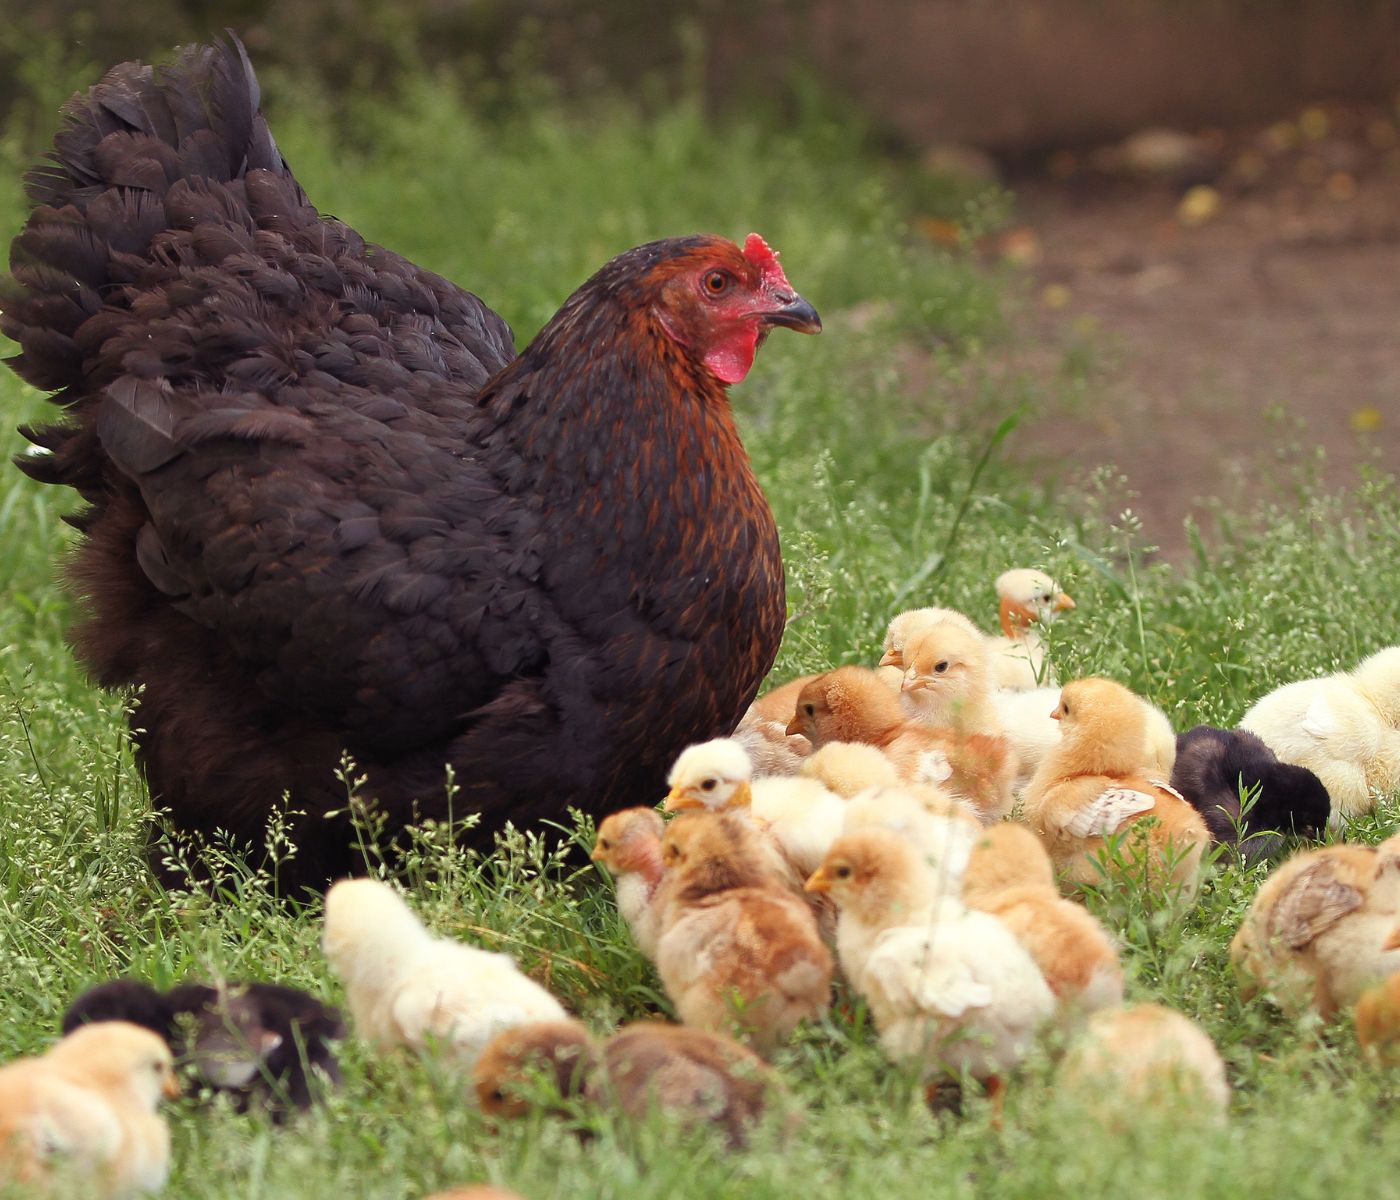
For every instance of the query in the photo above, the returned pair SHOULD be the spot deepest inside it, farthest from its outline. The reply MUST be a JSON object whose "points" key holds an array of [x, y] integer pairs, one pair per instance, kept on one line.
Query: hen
{"points": [[329, 508]]}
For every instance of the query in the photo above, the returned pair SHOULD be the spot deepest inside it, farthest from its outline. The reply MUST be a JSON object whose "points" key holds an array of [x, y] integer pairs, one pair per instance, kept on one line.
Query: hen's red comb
{"points": [[765, 258]]}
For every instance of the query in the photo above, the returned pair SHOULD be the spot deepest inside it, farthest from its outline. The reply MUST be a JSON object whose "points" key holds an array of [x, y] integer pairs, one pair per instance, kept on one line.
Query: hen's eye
{"points": [[708, 785], [716, 283], [941, 667]]}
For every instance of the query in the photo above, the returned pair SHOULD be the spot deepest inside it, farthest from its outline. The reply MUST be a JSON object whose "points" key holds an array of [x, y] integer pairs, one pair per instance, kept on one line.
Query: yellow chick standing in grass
{"points": [[406, 987], [1320, 930], [948, 988], [82, 1116], [1094, 785], [1344, 728]]}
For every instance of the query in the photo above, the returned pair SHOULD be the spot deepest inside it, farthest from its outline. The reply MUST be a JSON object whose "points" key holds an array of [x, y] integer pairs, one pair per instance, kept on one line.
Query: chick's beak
{"points": [[1058, 713], [1393, 941], [910, 683], [1063, 602], [793, 312], [891, 658], [678, 801], [170, 1086], [820, 881], [795, 726]]}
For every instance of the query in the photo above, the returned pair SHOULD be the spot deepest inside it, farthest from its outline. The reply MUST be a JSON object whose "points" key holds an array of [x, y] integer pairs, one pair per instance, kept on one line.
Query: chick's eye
{"points": [[716, 283], [604, 844], [810, 709], [843, 872], [941, 666], [708, 785]]}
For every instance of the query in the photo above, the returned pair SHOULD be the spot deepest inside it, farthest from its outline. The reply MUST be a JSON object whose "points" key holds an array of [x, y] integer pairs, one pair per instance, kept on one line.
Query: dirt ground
{"points": [[1223, 334]]}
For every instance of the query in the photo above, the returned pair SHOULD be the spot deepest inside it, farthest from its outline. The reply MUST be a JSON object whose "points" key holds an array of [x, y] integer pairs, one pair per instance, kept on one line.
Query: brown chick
{"points": [[629, 845], [1131, 1060], [850, 704], [562, 1052], [1320, 929], [1378, 1016], [736, 948], [1092, 786]]}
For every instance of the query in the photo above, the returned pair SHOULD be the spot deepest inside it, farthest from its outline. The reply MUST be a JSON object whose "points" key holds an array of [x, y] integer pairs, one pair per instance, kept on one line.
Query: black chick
{"points": [[255, 1041], [1214, 765]]}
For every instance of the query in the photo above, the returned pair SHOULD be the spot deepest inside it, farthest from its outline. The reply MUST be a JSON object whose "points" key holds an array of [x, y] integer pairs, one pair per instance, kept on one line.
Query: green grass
{"points": [[868, 440]]}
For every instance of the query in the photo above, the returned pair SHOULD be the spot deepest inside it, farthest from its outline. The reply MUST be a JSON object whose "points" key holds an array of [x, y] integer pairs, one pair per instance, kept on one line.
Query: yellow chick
{"points": [[1010, 876], [798, 813], [849, 768], [1344, 728], [1131, 1060], [1092, 786], [629, 845], [908, 625], [736, 948], [1028, 601], [83, 1115], [948, 679], [406, 987], [1320, 929], [947, 987], [850, 704], [1378, 1016]]}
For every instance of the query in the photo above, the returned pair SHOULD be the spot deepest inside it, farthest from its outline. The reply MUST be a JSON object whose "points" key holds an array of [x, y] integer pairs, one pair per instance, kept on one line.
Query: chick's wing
{"points": [[1107, 811], [1318, 899], [907, 968]]}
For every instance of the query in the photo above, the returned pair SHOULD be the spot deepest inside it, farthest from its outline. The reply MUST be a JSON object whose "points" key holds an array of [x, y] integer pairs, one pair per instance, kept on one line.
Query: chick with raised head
{"points": [[1344, 728], [1094, 786], [762, 731], [850, 704], [408, 988], [1010, 876], [82, 1116], [948, 679], [799, 814], [849, 768], [1378, 1015], [1130, 1061], [737, 949], [257, 1042], [948, 987], [1320, 929], [906, 626], [629, 845], [1028, 601], [1216, 767]]}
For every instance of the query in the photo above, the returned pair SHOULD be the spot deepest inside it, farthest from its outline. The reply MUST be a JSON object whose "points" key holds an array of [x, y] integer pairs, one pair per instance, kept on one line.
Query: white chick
{"points": [[86, 1110], [1028, 601], [947, 987], [1344, 728], [408, 988], [799, 814]]}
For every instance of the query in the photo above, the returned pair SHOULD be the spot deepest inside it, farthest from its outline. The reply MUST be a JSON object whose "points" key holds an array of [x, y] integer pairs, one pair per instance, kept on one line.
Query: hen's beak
{"points": [[820, 881], [1063, 602], [793, 312], [677, 801]]}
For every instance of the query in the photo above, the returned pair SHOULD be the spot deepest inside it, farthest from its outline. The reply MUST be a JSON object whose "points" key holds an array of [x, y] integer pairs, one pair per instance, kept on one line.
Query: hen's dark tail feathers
{"points": [[137, 154]]}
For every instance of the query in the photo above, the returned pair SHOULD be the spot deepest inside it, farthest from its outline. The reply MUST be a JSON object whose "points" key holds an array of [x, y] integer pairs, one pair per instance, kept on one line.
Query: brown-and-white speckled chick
{"points": [[1319, 931], [737, 949], [629, 845], [1130, 1061], [1094, 785], [82, 1116], [406, 987], [851, 704]]}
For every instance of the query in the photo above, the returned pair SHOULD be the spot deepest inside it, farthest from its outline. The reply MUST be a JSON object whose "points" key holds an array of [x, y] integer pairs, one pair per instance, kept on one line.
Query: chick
{"points": [[848, 768], [1131, 1060], [259, 1042], [1318, 933], [908, 625], [1344, 728], [84, 1113], [850, 704], [1028, 601], [769, 746], [779, 703], [699, 1077], [1010, 876], [948, 679], [801, 816], [1378, 1016], [736, 947], [629, 845], [408, 988], [1215, 766], [947, 987], [1092, 786]]}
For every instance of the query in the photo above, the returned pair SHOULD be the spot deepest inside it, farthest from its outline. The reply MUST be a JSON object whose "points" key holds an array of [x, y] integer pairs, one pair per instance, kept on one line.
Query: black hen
{"points": [[330, 510], [1214, 765]]}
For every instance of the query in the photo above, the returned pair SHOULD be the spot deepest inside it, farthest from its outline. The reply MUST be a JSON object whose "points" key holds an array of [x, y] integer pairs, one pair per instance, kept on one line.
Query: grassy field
{"points": [[883, 499]]}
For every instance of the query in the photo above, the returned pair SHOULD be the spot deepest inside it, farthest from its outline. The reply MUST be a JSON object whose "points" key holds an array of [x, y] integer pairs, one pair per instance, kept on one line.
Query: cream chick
{"points": [[908, 625], [406, 987], [629, 845], [84, 1113], [948, 679], [1027, 601], [1344, 728]]}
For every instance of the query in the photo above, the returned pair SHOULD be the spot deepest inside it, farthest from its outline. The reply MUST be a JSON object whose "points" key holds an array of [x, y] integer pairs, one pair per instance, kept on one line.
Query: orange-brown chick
{"points": [[1378, 1016], [851, 704], [629, 845], [1005, 855], [1131, 1060], [563, 1053], [1319, 931], [1092, 786], [736, 948]]}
